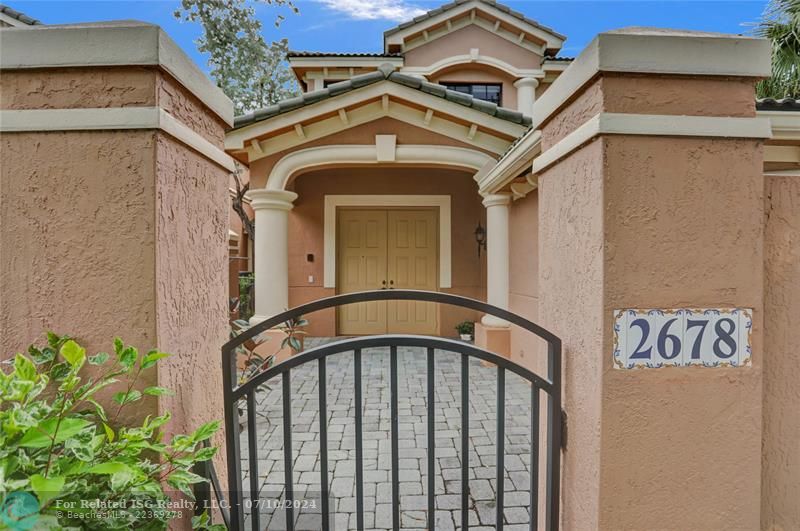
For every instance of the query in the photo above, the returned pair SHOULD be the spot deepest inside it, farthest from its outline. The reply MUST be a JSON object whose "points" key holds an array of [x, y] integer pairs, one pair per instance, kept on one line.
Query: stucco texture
{"points": [[571, 306], [780, 510], [77, 88], [77, 240], [600, 208], [191, 284], [671, 241], [306, 231], [641, 94], [526, 348]]}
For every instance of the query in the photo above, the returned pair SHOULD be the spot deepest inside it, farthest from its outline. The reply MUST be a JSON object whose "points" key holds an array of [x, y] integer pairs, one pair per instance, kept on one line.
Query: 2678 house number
{"points": [[653, 338]]}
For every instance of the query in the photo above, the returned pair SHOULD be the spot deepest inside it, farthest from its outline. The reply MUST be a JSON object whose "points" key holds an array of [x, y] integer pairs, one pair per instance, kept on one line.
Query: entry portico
{"points": [[369, 143]]}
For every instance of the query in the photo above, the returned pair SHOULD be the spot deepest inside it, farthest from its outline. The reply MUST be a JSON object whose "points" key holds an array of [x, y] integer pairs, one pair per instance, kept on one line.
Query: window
{"points": [[492, 92]]}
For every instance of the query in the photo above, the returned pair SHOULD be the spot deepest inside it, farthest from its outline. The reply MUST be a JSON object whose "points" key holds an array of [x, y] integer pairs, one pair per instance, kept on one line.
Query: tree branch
{"points": [[238, 204]]}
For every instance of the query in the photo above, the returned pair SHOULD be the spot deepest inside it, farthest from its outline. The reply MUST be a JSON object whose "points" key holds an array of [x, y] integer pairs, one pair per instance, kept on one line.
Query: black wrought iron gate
{"points": [[238, 396]]}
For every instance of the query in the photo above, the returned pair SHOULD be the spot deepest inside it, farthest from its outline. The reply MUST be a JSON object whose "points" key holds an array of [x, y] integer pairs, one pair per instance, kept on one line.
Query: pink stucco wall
{"points": [[524, 279], [653, 258], [571, 306], [191, 284], [77, 233], [306, 227], [781, 438], [117, 233]]}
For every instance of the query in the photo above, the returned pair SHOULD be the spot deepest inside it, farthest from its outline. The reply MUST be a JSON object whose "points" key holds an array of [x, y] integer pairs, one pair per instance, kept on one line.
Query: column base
{"points": [[496, 339]]}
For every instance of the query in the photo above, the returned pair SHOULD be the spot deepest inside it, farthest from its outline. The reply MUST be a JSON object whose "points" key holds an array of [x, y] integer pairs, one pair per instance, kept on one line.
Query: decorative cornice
{"points": [[656, 51], [120, 43], [653, 125], [114, 118]]}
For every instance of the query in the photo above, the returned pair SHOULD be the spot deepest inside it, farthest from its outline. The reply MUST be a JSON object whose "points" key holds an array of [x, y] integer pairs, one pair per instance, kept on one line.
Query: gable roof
{"points": [[17, 15], [492, 16], [447, 7], [383, 73]]}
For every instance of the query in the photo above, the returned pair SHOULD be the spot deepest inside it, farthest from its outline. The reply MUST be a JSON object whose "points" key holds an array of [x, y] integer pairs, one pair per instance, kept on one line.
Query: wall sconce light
{"points": [[480, 237]]}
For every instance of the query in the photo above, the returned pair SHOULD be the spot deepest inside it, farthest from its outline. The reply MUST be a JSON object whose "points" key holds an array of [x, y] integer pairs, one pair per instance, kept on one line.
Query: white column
{"points": [[526, 94], [497, 249], [271, 251]]}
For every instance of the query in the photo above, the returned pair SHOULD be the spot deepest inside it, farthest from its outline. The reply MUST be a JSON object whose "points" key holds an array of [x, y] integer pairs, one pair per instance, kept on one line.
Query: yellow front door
{"points": [[412, 264], [387, 249], [362, 266]]}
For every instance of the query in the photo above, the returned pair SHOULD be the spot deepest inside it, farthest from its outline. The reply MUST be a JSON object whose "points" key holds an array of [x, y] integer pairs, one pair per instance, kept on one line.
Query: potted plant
{"points": [[465, 330]]}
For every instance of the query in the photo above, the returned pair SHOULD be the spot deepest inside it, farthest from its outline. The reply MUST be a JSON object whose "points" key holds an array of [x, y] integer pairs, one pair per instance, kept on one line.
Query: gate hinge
{"points": [[563, 429]]}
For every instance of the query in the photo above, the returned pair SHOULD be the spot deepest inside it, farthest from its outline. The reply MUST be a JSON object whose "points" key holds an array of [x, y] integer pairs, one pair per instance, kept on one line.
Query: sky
{"points": [[358, 25]]}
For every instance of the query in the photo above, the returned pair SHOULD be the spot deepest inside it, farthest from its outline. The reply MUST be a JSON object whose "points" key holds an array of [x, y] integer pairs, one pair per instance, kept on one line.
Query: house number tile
{"points": [[704, 337]]}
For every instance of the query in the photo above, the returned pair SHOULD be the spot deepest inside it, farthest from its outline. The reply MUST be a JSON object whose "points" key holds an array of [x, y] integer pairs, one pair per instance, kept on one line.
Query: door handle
{"points": [[384, 284], [391, 284]]}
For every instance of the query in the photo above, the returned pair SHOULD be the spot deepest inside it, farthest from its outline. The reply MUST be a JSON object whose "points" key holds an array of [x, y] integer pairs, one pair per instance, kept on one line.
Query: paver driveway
{"points": [[412, 443]]}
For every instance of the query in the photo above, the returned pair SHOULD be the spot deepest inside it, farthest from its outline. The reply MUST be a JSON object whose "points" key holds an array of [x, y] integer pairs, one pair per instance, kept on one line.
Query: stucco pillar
{"points": [[115, 207], [271, 251], [526, 94], [651, 197]]}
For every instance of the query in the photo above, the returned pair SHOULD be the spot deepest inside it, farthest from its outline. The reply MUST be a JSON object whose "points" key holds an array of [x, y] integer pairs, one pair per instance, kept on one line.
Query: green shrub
{"points": [[61, 449]]}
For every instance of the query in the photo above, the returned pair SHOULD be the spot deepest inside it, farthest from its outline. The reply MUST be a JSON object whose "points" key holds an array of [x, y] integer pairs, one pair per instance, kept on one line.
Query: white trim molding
{"points": [[113, 118], [653, 125], [121, 43], [516, 161], [656, 51], [350, 154], [442, 202], [468, 59], [785, 124]]}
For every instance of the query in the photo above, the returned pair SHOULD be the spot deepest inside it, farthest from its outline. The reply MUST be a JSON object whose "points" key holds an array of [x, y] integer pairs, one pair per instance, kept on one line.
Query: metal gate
{"points": [[237, 397]]}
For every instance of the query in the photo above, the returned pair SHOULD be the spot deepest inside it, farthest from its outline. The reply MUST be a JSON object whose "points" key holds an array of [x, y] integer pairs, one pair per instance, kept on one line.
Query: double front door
{"points": [[387, 249]]}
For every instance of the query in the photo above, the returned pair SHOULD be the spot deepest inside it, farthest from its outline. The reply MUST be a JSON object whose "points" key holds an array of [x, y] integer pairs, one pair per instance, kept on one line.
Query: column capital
{"points": [[500, 199], [263, 199], [526, 82]]}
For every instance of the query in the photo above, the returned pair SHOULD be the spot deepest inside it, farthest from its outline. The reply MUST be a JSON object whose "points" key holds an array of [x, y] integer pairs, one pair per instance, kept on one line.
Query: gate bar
{"points": [[534, 482], [252, 454], [395, 435], [287, 450], [232, 442], [553, 435], [431, 443], [464, 442], [359, 441], [500, 446], [323, 443]]}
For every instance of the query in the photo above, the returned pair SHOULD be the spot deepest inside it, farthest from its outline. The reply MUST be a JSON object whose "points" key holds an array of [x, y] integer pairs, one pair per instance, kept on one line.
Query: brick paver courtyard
{"points": [[412, 443]]}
